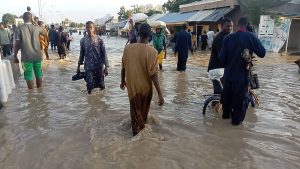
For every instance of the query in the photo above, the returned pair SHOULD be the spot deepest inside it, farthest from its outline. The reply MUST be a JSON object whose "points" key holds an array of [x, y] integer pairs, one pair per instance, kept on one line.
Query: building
{"points": [[18, 21], [286, 35], [201, 15]]}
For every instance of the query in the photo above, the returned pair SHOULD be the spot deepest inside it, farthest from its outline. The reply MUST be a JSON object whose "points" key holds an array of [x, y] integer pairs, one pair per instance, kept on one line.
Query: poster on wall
{"points": [[266, 26], [275, 42]]}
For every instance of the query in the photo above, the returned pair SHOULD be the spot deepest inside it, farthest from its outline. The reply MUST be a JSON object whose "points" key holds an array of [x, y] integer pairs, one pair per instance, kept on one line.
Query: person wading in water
{"points": [[139, 71]]}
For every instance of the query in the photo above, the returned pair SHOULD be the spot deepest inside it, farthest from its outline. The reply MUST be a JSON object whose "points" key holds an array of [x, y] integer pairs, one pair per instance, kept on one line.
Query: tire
{"points": [[210, 99]]}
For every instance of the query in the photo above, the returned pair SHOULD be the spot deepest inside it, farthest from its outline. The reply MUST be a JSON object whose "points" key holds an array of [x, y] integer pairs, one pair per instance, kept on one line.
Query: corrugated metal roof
{"points": [[122, 24], [199, 16], [155, 17], [217, 14], [291, 9], [177, 17]]}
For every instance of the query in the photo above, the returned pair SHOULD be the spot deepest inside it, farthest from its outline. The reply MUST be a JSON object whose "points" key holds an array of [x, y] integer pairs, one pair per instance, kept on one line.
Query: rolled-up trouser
{"points": [[161, 57]]}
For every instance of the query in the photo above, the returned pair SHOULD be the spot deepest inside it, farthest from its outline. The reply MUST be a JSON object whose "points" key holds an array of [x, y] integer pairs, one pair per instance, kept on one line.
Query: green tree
{"points": [[81, 25], [9, 18], [125, 14], [255, 8], [122, 13], [173, 5], [73, 24], [153, 11]]}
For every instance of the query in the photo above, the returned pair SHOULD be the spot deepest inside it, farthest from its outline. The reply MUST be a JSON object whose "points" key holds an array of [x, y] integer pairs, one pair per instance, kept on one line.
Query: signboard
{"points": [[275, 42], [266, 26]]}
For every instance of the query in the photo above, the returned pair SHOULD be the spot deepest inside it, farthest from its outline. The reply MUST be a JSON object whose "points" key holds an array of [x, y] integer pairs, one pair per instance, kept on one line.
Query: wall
{"points": [[294, 37]]}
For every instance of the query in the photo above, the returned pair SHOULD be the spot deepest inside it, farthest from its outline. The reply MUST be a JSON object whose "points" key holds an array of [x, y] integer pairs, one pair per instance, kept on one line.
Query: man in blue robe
{"points": [[182, 47], [236, 76]]}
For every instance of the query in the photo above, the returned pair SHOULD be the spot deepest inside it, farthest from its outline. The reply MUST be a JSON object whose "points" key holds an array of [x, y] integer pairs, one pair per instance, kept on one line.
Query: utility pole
{"points": [[40, 9]]}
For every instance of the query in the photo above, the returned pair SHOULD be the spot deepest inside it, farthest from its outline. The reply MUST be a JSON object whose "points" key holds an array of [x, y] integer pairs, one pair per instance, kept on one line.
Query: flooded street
{"points": [[62, 127]]}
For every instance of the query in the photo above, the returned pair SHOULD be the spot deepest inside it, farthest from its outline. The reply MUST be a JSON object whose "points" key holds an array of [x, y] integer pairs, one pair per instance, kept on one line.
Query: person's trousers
{"points": [[235, 102], [139, 109], [181, 64], [53, 45], [6, 50]]}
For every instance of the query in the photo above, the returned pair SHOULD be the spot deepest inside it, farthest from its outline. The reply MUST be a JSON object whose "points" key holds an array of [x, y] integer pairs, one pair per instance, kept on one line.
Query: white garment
{"points": [[216, 74], [210, 38]]}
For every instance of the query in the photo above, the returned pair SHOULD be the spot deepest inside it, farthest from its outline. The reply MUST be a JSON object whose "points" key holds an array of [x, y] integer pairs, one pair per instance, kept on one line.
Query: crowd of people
{"points": [[142, 61]]}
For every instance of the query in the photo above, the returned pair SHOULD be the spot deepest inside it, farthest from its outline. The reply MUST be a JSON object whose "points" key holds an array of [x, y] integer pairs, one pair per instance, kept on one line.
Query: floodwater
{"points": [[62, 127]]}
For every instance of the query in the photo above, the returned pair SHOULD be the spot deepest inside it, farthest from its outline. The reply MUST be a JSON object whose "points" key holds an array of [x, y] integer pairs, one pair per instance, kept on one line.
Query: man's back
{"points": [[4, 37], [140, 63], [231, 54], [52, 35], [28, 36], [210, 34], [184, 41]]}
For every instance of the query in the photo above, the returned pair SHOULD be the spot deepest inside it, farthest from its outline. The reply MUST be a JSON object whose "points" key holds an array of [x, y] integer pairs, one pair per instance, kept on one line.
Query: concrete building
{"points": [[291, 11]]}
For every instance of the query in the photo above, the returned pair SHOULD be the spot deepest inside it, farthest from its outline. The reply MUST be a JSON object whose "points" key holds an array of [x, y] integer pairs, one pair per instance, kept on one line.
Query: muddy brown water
{"points": [[61, 127]]}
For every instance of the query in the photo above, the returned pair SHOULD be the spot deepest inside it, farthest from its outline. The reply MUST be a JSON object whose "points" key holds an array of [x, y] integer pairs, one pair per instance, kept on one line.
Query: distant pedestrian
{"points": [[12, 36], [5, 40], [44, 39], [61, 43], [204, 39], [210, 38], [52, 37], [27, 39], [182, 47], [70, 39]]}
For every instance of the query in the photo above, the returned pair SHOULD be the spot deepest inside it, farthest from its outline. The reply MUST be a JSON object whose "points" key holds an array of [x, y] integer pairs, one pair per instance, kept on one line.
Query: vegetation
{"points": [[255, 8], [173, 5], [9, 18]]}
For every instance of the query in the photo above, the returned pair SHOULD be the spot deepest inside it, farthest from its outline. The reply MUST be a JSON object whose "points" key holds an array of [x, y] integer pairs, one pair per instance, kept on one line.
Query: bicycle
{"points": [[218, 88]]}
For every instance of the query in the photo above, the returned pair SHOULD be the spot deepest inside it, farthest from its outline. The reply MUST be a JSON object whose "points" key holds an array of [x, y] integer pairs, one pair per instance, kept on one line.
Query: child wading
{"points": [[93, 54]]}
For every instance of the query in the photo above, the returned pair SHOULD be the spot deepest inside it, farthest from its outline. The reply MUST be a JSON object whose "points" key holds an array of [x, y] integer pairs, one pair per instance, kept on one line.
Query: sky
{"points": [[75, 10]]}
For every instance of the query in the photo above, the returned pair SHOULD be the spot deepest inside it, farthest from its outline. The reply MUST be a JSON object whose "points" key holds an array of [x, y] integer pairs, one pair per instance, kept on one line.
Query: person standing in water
{"points": [[182, 47], [27, 39], [52, 37], [5, 41], [44, 39], [61, 43], [160, 44], [139, 72], [215, 63], [236, 76], [210, 38], [93, 55]]}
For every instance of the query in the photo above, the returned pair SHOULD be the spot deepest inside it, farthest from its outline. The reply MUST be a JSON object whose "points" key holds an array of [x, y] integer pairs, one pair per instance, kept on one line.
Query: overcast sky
{"points": [[76, 10]]}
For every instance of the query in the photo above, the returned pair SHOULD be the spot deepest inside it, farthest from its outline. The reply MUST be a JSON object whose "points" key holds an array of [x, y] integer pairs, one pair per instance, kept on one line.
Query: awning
{"points": [[176, 18], [217, 15], [213, 15], [199, 16], [155, 17], [122, 24]]}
